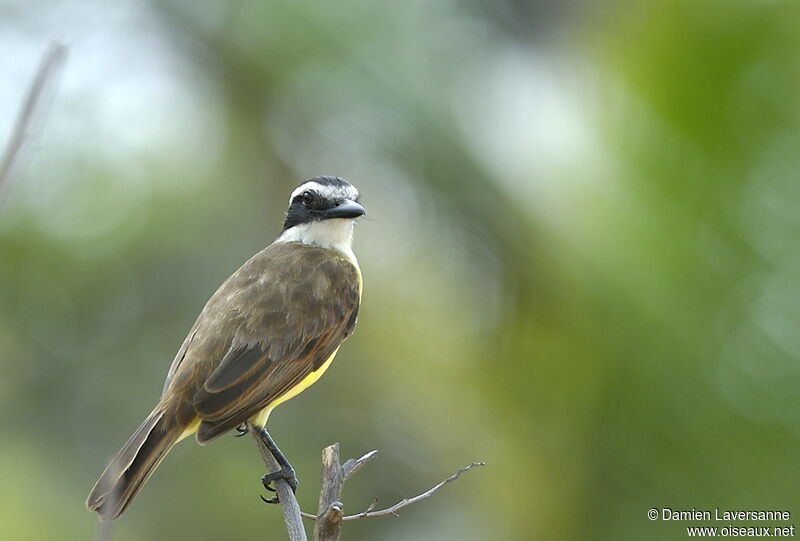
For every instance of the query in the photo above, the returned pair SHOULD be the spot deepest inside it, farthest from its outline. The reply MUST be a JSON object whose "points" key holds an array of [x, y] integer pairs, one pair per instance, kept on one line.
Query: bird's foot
{"points": [[242, 430], [287, 473]]}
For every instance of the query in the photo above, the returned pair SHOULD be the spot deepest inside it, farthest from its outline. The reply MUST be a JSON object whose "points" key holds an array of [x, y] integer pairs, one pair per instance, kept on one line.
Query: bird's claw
{"points": [[242, 430], [267, 480], [287, 472], [274, 499]]}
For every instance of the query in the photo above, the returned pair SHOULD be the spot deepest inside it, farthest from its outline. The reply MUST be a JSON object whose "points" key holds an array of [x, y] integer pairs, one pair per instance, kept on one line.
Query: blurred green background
{"points": [[581, 259]]}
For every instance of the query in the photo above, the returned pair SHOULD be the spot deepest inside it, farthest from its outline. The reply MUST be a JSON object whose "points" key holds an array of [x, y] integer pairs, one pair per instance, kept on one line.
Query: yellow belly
{"points": [[261, 417]]}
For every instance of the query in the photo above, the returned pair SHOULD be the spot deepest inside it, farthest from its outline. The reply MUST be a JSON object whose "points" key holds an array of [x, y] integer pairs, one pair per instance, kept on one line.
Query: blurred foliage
{"points": [[581, 256]]}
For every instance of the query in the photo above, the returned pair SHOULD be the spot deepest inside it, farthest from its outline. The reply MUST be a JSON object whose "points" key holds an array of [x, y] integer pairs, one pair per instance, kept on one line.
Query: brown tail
{"points": [[132, 466]]}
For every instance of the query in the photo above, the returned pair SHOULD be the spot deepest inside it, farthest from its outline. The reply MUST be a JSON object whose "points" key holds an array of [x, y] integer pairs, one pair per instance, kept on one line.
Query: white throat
{"points": [[333, 234]]}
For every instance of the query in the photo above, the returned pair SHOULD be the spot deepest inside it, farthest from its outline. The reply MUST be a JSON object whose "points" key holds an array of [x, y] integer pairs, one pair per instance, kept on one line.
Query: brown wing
{"points": [[276, 320]]}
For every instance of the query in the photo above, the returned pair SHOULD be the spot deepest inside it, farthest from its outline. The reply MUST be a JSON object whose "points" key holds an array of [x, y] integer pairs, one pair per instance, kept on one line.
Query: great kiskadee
{"points": [[264, 336]]}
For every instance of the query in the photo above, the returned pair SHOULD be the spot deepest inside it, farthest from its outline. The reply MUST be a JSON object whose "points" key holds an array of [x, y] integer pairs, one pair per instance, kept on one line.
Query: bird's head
{"points": [[322, 198], [321, 212]]}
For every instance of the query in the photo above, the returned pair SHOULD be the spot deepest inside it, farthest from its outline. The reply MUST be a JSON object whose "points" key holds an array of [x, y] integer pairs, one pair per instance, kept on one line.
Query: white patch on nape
{"points": [[333, 234], [332, 193]]}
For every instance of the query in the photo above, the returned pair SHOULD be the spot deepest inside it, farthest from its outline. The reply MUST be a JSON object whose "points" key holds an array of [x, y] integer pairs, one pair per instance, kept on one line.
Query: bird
{"points": [[267, 333]]}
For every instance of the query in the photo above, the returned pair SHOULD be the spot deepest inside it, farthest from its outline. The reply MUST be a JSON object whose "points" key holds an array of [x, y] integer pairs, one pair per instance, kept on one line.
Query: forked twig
{"points": [[332, 511], [369, 513]]}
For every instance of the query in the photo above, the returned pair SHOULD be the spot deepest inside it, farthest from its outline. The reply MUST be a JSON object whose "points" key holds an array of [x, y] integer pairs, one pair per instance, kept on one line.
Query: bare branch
{"points": [[330, 516], [286, 497], [30, 116], [352, 466], [329, 523], [369, 513]]}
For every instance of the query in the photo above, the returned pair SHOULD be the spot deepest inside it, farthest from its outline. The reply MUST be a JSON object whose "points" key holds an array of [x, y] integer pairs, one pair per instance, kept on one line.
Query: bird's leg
{"points": [[286, 472]]}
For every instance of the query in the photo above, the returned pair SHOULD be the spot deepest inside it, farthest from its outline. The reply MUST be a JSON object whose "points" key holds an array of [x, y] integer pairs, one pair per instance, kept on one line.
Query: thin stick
{"points": [[30, 117], [287, 499], [350, 467], [370, 513]]}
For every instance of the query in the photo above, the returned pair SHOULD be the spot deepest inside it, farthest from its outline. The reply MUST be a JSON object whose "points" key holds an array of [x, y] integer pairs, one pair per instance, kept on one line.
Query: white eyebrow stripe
{"points": [[329, 192], [306, 186]]}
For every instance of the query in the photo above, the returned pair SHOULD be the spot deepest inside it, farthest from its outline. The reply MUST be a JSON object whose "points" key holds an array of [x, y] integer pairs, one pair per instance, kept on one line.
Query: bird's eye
{"points": [[307, 198]]}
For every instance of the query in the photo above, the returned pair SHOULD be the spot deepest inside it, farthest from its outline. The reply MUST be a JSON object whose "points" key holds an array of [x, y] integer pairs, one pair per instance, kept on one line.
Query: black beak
{"points": [[345, 209]]}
